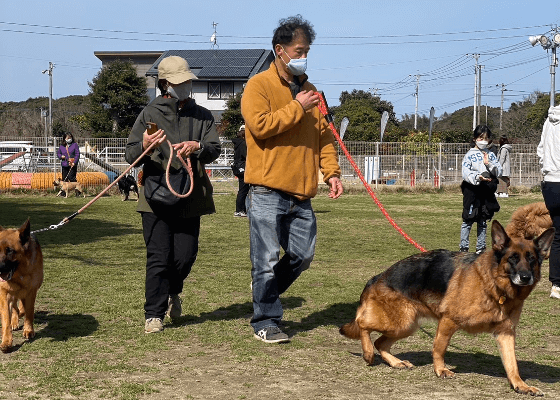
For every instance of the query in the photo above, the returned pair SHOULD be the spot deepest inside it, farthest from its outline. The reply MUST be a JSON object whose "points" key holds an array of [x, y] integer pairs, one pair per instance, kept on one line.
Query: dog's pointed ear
{"points": [[544, 242], [25, 232], [500, 239]]}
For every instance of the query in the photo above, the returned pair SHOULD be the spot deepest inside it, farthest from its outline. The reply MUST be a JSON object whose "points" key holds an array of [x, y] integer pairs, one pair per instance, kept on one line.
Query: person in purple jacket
{"points": [[69, 155]]}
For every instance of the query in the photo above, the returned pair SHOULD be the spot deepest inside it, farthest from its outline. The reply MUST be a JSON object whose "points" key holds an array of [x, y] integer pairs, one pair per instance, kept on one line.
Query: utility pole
{"points": [[549, 43], [479, 102], [502, 105], [416, 108], [50, 73], [475, 56]]}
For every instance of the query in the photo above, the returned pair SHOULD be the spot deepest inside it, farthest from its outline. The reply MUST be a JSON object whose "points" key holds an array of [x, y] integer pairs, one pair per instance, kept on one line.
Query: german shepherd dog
{"points": [[475, 293], [21, 276], [126, 185]]}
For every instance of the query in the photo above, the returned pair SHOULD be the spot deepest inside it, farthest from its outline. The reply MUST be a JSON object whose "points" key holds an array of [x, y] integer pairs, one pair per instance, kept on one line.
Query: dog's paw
{"points": [[28, 333], [404, 364], [5, 347], [533, 391], [445, 373]]}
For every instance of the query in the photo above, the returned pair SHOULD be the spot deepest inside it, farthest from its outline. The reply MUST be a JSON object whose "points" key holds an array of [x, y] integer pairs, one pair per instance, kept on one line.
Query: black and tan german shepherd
{"points": [[475, 293]]}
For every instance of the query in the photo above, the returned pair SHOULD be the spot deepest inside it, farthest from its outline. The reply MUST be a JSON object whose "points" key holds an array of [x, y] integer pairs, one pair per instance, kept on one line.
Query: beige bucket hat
{"points": [[175, 70]]}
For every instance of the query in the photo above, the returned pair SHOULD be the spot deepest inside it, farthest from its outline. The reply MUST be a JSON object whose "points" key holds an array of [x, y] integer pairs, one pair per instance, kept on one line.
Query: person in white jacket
{"points": [[548, 151]]}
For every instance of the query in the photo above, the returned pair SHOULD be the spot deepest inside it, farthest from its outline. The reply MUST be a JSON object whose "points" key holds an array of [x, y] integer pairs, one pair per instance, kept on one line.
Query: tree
{"points": [[117, 96], [364, 112], [232, 118]]}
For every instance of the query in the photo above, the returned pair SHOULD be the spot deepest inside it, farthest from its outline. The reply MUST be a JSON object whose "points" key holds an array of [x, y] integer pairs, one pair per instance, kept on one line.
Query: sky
{"points": [[390, 48]]}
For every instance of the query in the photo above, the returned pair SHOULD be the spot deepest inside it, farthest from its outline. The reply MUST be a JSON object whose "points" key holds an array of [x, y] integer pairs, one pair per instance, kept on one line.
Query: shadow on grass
{"points": [[61, 327], [233, 311], [475, 363], [43, 214]]}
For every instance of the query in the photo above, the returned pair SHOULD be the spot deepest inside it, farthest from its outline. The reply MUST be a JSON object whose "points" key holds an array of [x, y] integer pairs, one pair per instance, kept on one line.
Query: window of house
{"points": [[220, 90]]}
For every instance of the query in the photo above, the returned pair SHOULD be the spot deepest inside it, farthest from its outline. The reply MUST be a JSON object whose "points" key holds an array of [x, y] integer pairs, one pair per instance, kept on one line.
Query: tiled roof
{"points": [[212, 64]]}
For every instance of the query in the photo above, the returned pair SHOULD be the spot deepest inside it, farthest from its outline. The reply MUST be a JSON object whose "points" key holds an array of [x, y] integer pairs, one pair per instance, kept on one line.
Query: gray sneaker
{"points": [[153, 325], [555, 292], [272, 334], [174, 309]]}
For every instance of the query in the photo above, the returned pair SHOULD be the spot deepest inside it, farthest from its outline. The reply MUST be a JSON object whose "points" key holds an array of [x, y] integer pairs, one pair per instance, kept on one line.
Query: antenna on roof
{"points": [[214, 37]]}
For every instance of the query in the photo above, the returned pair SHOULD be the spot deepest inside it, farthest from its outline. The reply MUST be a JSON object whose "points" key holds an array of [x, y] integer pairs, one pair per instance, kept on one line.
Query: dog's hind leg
{"points": [[383, 345], [16, 309]]}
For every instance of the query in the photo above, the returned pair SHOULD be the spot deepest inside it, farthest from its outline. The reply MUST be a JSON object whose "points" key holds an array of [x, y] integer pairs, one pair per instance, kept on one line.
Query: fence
{"points": [[406, 164]]}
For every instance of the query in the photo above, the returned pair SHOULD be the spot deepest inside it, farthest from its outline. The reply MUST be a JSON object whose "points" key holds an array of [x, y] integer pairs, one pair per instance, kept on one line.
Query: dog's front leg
{"points": [[506, 344], [29, 311], [446, 328], [7, 339]]}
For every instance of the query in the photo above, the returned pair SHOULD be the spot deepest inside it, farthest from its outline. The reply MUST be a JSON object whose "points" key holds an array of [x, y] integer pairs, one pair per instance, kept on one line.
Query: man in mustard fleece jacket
{"points": [[288, 142]]}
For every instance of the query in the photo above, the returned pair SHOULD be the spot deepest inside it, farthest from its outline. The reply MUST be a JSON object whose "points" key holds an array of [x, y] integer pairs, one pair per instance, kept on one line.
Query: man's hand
{"points": [[308, 99], [184, 149], [336, 187], [158, 137]]}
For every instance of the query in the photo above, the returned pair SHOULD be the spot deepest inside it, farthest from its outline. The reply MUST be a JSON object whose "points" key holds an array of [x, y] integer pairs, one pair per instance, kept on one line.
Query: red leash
{"points": [[325, 111]]}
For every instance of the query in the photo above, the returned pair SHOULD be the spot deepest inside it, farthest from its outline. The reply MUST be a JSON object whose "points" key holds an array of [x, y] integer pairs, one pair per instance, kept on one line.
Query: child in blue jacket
{"points": [[481, 170]]}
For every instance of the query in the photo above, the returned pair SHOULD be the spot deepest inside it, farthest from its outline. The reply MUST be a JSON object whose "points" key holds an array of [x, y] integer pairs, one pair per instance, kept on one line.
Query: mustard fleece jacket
{"points": [[286, 146]]}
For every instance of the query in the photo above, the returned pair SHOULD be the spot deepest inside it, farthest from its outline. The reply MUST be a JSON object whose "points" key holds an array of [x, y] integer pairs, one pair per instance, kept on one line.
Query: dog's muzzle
{"points": [[7, 271], [523, 278]]}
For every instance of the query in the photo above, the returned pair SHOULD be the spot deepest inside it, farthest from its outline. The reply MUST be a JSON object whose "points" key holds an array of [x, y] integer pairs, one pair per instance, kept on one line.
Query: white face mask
{"points": [[181, 91], [69, 141], [481, 144], [296, 66]]}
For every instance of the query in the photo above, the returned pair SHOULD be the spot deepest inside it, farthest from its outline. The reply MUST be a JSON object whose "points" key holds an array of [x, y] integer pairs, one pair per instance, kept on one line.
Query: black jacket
{"points": [[479, 201]]}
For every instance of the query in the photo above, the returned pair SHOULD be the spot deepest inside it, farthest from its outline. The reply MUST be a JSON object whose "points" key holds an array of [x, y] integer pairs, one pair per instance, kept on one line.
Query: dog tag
{"points": [[502, 299]]}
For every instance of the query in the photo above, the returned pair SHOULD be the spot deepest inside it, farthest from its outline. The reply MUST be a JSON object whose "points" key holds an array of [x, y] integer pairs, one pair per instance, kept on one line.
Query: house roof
{"points": [[220, 64]]}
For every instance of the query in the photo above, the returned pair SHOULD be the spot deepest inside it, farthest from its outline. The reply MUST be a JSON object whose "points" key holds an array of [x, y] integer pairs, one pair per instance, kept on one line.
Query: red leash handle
{"points": [[323, 108]]}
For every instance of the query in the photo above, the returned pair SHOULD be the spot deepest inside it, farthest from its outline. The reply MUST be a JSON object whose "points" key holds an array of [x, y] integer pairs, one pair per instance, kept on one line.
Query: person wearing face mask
{"points": [[69, 155], [288, 143], [481, 171], [171, 233]]}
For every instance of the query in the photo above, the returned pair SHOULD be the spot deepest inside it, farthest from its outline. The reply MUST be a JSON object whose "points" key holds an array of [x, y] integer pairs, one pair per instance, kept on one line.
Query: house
{"points": [[221, 73]]}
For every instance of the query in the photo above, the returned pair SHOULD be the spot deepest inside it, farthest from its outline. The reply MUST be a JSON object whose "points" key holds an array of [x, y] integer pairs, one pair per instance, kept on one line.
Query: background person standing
{"points": [[69, 155], [288, 142], [504, 160], [238, 167]]}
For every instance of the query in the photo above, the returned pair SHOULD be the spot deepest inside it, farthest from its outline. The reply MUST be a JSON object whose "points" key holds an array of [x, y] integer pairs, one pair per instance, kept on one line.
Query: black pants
{"points": [[551, 194], [241, 194], [171, 247], [69, 174]]}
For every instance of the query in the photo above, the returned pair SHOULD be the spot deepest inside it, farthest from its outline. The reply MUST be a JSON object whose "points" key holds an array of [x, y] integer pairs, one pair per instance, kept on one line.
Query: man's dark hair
{"points": [[290, 28]]}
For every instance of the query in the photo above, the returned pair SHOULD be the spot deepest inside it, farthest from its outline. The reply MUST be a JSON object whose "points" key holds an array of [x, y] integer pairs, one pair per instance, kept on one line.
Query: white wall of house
{"points": [[213, 101]]}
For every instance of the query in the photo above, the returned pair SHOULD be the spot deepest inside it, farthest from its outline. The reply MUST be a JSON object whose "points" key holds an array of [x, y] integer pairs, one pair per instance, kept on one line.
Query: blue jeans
{"points": [[277, 220], [480, 234]]}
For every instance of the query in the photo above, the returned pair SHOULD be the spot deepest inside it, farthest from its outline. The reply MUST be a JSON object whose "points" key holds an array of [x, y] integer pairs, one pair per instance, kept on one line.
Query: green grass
{"points": [[89, 312]]}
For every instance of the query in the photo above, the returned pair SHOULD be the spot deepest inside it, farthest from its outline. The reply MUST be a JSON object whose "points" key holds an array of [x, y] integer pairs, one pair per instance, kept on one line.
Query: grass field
{"points": [[89, 314]]}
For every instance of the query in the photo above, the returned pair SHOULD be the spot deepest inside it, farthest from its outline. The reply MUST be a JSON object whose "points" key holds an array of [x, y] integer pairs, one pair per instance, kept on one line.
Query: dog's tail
{"points": [[351, 330]]}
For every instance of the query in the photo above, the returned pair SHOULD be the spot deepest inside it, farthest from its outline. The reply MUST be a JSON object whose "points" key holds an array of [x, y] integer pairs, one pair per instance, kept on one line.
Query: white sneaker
{"points": [[153, 325], [555, 292]]}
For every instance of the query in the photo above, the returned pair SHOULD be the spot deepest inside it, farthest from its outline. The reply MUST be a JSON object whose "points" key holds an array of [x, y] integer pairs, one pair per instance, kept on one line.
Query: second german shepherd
{"points": [[475, 293]]}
